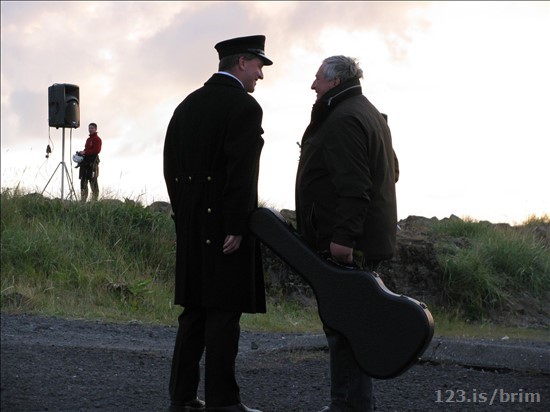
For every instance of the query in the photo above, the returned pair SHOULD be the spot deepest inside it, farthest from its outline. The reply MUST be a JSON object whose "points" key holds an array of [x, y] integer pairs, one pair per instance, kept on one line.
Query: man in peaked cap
{"points": [[211, 165]]}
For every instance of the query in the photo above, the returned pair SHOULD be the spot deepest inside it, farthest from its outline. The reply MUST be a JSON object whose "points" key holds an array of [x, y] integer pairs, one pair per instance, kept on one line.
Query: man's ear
{"points": [[336, 81], [242, 62]]}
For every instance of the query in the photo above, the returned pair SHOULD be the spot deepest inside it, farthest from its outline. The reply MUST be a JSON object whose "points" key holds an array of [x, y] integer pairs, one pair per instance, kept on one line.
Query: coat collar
{"points": [[322, 108], [233, 76], [341, 92], [225, 80]]}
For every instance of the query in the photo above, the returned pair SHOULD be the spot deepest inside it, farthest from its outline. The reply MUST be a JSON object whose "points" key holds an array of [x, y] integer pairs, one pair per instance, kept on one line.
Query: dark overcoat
{"points": [[211, 165], [345, 184]]}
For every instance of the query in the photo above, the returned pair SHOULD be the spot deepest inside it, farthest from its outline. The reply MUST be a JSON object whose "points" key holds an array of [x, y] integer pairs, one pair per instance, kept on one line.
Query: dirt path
{"points": [[69, 365]]}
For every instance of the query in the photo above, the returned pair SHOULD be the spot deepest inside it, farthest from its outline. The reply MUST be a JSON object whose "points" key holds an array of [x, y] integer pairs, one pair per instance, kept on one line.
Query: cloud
{"points": [[126, 55], [462, 89]]}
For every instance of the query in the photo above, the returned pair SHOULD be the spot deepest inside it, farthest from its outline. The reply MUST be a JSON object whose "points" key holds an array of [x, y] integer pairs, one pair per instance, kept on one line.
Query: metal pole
{"points": [[64, 170], [63, 161]]}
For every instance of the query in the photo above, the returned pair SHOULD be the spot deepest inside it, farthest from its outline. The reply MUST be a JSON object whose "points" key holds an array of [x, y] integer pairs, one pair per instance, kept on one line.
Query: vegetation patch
{"points": [[115, 260]]}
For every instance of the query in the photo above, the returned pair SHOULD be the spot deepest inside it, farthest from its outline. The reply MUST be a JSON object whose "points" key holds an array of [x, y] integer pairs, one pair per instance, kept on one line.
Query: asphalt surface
{"points": [[504, 354], [517, 355], [53, 364]]}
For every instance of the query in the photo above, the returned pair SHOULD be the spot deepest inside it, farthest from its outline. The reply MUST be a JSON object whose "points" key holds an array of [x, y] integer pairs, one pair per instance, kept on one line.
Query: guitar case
{"points": [[387, 332]]}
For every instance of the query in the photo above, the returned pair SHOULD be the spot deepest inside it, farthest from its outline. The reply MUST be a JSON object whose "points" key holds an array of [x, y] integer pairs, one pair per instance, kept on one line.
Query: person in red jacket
{"points": [[89, 168]]}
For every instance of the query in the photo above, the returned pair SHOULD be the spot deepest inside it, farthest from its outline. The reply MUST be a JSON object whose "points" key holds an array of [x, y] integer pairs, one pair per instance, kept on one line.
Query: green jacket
{"points": [[345, 184]]}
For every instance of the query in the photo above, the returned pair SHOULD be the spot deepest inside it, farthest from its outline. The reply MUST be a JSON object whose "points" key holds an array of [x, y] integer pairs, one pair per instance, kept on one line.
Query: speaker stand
{"points": [[63, 170]]}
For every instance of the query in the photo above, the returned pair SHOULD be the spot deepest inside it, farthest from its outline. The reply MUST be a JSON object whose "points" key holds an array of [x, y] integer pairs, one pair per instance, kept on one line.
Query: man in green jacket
{"points": [[345, 200]]}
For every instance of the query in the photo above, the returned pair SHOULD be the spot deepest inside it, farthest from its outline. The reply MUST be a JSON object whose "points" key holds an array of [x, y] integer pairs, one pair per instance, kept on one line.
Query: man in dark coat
{"points": [[345, 200], [211, 166]]}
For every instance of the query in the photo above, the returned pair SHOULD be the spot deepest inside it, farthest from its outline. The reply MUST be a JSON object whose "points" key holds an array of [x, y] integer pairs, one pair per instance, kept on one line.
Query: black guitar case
{"points": [[387, 332]]}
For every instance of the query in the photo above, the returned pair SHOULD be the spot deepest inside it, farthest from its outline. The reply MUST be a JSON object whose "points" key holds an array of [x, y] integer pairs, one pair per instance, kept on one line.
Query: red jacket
{"points": [[93, 145]]}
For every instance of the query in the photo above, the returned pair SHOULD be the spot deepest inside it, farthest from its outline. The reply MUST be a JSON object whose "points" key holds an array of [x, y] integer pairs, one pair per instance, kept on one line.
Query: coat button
{"points": [[208, 241], [209, 210], [176, 179], [190, 178], [209, 178]]}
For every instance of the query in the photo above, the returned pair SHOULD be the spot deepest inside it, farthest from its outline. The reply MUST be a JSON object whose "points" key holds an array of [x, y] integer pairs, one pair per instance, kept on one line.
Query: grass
{"points": [[108, 260], [285, 316], [449, 325], [492, 263], [114, 261]]}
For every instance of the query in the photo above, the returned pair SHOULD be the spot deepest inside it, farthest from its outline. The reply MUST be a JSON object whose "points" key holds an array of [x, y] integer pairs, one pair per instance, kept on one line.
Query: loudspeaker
{"points": [[64, 105]]}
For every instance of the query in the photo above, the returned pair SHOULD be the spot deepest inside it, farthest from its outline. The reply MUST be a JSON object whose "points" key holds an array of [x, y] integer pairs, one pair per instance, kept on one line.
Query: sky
{"points": [[465, 85]]}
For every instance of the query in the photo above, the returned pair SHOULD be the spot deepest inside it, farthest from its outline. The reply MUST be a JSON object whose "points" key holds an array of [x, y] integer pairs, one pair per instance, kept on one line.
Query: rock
{"points": [[161, 207], [416, 272]]}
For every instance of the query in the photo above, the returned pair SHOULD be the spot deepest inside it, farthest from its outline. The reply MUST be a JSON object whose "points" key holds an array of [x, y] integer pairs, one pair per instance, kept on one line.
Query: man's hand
{"points": [[340, 253], [231, 243]]}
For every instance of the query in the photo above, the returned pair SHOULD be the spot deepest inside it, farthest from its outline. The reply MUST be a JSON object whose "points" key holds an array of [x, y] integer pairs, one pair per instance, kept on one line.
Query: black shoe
{"points": [[195, 405], [233, 408]]}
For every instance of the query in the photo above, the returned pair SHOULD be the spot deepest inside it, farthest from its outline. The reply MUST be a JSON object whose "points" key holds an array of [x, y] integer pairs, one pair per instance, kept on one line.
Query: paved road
{"points": [[71, 365]]}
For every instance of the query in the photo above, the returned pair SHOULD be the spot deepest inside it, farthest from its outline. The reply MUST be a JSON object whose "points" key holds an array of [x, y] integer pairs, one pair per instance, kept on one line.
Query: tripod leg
{"points": [[71, 187], [53, 174]]}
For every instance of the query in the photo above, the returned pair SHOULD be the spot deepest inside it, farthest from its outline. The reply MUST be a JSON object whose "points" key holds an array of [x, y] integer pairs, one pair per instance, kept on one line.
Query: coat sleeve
{"points": [[170, 163], [346, 154], [396, 163], [242, 149]]}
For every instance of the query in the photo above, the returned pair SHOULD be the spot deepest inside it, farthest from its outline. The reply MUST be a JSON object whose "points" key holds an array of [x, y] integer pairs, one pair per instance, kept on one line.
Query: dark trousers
{"points": [[89, 172], [84, 189], [215, 332], [351, 389]]}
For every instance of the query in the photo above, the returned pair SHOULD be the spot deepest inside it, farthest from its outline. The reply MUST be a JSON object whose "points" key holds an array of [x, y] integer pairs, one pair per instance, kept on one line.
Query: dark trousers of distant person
{"points": [[84, 189], [351, 389], [88, 175], [215, 332]]}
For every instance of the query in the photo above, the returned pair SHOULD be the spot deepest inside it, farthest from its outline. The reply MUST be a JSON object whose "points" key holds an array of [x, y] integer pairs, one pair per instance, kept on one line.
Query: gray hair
{"points": [[342, 67], [229, 62]]}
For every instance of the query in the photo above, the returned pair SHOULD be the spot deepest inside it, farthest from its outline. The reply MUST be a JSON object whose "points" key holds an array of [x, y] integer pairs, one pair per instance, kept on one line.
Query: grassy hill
{"points": [[114, 260]]}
